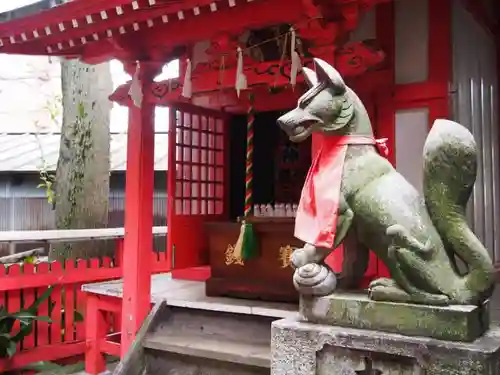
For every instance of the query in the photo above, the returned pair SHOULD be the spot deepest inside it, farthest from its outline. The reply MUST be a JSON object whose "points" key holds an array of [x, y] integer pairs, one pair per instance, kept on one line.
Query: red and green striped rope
{"points": [[246, 245], [249, 158]]}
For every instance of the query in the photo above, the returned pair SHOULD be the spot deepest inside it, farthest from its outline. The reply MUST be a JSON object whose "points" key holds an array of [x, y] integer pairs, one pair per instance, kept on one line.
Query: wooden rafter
{"points": [[69, 32]]}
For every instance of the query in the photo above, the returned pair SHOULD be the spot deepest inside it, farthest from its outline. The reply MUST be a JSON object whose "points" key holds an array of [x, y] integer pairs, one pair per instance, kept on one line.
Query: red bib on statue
{"points": [[317, 214]]}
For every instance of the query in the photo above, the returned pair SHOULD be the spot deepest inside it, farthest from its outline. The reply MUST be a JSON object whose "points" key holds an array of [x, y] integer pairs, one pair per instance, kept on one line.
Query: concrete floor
{"points": [[191, 294]]}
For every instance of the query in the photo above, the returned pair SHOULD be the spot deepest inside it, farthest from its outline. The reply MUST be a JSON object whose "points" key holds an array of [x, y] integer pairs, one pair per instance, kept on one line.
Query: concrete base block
{"points": [[300, 348]]}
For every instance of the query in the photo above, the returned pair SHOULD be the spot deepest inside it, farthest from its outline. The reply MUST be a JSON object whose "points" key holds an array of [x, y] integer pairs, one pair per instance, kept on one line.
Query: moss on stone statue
{"points": [[453, 323], [417, 236]]}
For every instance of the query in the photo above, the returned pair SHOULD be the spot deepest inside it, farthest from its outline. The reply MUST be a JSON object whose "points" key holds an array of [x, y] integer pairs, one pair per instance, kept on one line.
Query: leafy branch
{"points": [[54, 108], [26, 318], [48, 179]]}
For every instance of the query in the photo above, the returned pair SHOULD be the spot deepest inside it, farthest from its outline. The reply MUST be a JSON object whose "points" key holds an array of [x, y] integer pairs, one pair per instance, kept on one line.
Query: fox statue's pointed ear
{"points": [[327, 73], [310, 77]]}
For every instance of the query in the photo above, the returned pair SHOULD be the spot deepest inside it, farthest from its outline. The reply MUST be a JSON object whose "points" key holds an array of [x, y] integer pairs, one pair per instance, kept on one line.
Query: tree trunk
{"points": [[82, 176]]}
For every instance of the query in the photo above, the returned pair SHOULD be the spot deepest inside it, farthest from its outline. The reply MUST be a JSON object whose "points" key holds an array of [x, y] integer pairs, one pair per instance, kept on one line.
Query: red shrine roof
{"points": [[162, 30], [90, 27], [67, 28], [22, 33]]}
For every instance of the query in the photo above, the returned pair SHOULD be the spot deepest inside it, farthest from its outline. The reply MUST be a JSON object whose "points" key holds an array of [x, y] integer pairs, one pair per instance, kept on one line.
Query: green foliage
{"points": [[26, 318], [30, 259], [77, 317], [47, 183], [81, 143], [54, 108], [46, 367]]}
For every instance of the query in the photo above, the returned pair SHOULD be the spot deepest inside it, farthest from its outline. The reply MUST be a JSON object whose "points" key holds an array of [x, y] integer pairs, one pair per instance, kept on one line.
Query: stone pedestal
{"points": [[451, 323], [300, 348]]}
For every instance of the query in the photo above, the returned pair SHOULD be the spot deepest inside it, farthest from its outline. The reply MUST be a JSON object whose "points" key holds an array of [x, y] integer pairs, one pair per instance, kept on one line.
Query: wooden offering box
{"points": [[268, 276]]}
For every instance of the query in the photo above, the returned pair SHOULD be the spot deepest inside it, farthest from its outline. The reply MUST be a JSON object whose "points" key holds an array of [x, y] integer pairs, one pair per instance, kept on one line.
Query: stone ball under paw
{"points": [[314, 280]]}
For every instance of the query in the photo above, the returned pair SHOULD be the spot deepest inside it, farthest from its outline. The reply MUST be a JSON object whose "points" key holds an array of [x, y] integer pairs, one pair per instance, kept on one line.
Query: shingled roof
{"points": [[29, 10], [28, 152]]}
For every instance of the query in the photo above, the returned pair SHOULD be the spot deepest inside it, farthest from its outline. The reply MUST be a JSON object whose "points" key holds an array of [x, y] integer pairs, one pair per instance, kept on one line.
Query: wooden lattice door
{"points": [[197, 181]]}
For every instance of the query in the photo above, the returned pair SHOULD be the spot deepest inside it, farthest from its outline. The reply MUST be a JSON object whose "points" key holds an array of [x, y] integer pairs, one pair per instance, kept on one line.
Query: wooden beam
{"points": [[133, 363], [73, 235], [354, 60], [20, 256], [284, 98], [242, 17]]}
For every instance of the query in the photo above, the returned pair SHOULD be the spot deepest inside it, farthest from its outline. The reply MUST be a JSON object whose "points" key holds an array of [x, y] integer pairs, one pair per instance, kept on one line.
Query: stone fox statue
{"points": [[351, 188]]}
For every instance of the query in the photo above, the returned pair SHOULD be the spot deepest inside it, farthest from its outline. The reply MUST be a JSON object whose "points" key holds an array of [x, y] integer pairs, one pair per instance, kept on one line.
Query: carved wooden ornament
{"points": [[231, 259], [285, 256]]}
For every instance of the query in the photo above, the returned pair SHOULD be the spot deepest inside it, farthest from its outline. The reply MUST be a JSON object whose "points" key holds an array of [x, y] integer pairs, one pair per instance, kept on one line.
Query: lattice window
{"points": [[200, 166]]}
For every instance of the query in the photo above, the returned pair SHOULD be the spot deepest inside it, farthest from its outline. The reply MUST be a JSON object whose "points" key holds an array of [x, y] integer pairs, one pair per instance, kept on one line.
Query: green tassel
{"points": [[249, 243]]}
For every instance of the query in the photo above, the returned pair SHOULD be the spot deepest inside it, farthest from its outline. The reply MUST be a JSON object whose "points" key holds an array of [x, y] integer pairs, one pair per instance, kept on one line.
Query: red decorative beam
{"points": [[352, 60], [249, 15], [267, 99], [283, 98]]}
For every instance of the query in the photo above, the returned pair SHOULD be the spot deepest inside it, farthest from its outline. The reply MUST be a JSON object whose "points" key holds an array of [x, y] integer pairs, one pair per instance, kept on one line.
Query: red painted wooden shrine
{"points": [[146, 34]]}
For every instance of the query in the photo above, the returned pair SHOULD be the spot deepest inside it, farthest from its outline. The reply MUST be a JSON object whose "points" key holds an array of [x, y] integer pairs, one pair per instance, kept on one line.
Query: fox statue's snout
{"points": [[298, 124], [311, 114]]}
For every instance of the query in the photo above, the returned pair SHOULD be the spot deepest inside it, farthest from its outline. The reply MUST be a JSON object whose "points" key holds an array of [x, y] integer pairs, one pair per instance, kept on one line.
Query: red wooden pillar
{"points": [[138, 240], [95, 326]]}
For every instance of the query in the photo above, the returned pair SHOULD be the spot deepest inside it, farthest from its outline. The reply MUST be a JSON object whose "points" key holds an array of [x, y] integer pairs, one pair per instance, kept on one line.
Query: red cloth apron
{"points": [[317, 214]]}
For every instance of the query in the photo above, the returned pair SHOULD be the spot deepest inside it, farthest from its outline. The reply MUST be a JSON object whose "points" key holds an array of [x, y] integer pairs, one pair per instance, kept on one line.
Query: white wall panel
{"points": [[411, 128], [412, 33], [475, 106], [366, 28]]}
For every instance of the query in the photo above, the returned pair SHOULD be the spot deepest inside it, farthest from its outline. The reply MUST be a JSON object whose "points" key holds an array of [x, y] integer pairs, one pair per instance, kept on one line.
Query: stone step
{"points": [[216, 342], [213, 348], [193, 335]]}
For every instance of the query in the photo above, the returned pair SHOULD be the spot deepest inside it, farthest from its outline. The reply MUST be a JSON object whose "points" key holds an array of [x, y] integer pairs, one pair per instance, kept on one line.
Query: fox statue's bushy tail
{"points": [[450, 168]]}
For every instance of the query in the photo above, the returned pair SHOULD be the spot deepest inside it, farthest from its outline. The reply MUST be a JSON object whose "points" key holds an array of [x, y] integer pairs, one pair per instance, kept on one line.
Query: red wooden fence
{"points": [[64, 336]]}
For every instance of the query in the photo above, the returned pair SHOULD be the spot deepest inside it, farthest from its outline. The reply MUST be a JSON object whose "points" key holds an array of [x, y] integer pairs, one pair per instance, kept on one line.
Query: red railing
{"points": [[64, 336]]}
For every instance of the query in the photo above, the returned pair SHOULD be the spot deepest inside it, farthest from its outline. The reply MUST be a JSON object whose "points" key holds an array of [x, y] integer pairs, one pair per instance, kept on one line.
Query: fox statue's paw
{"points": [[314, 280], [385, 289], [307, 254], [299, 258]]}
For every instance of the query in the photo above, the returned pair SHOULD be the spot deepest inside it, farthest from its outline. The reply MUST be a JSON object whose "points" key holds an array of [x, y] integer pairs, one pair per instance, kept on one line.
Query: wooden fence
{"points": [[33, 213], [21, 284]]}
